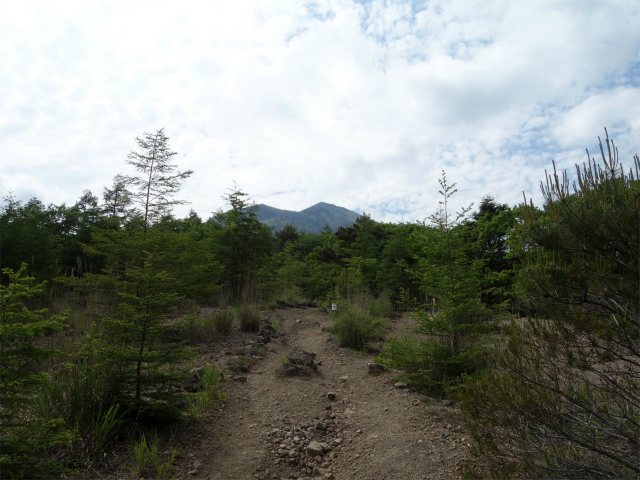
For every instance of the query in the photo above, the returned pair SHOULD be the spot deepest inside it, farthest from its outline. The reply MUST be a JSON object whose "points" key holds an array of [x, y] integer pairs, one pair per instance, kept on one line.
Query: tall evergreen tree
{"points": [[159, 181], [27, 237], [288, 234], [137, 262], [487, 234]]}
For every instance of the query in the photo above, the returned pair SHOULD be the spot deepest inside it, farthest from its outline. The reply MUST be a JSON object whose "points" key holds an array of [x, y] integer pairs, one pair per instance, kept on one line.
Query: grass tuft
{"points": [[223, 321], [249, 316]]}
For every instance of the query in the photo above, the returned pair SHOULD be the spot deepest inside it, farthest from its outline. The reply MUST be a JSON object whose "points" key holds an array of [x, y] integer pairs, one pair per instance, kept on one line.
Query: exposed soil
{"points": [[370, 430]]}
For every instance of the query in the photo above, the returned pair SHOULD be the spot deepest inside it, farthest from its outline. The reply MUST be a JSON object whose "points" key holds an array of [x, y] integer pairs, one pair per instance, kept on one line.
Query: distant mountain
{"points": [[310, 219]]}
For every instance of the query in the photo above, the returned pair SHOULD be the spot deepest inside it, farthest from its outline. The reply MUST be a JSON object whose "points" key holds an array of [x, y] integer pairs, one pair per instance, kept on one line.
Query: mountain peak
{"points": [[310, 220]]}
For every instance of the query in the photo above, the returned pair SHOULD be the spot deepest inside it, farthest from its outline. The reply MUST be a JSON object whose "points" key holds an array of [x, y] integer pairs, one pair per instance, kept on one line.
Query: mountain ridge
{"points": [[310, 220]]}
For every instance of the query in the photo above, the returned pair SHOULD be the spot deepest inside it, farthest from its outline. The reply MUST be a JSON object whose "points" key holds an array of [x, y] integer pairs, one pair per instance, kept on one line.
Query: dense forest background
{"points": [[528, 315]]}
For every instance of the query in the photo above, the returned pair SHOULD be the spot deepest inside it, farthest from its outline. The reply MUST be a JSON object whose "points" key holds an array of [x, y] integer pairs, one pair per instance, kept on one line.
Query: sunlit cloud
{"points": [[359, 104]]}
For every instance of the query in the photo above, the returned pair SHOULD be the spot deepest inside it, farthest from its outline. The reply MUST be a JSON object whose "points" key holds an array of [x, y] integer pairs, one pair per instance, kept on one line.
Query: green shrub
{"points": [[249, 316], [430, 365], [291, 294], [563, 397], [79, 391], [379, 307], [26, 439], [357, 330]]}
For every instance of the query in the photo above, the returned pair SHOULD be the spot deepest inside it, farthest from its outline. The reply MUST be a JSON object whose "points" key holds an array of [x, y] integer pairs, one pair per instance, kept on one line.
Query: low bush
{"points": [[380, 307], [356, 329], [430, 365]]}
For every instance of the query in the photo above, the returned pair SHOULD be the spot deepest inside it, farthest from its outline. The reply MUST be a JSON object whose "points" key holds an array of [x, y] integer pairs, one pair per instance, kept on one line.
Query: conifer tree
{"points": [[137, 264], [155, 188], [117, 199], [244, 241], [25, 440], [563, 399], [454, 321], [144, 368]]}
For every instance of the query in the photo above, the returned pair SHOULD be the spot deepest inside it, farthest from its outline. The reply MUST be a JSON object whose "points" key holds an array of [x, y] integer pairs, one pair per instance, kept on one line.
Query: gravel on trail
{"points": [[336, 417]]}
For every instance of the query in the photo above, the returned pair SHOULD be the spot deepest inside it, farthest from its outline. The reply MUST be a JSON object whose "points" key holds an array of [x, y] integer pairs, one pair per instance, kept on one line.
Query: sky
{"points": [[362, 104]]}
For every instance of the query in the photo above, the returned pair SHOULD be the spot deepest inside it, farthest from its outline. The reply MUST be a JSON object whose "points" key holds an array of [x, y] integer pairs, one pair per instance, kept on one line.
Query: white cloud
{"points": [[618, 109], [360, 105]]}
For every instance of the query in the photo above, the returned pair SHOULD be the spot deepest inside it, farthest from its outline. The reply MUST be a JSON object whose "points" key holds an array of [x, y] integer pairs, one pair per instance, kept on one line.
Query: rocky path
{"points": [[271, 425]]}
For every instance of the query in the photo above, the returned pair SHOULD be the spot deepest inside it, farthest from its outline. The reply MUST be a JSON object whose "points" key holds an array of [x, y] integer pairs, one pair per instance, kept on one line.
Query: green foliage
{"points": [[563, 399], [105, 429], [26, 439], [198, 329], [448, 275], [188, 255], [223, 321], [144, 367], [211, 394], [354, 327], [249, 316], [399, 254], [146, 459], [358, 278], [26, 237], [487, 235], [379, 307], [288, 235], [27, 448], [455, 319], [159, 181], [79, 390], [205, 327], [118, 201], [241, 241], [430, 365]]}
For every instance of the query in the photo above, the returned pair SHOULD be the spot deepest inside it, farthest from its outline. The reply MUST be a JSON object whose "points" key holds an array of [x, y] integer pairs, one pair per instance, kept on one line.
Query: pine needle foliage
{"points": [[454, 322], [145, 367], [563, 400], [25, 439], [159, 181]]}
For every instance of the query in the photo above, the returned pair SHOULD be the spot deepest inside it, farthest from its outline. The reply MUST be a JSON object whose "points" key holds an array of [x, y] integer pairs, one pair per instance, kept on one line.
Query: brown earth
{"points": [[370, 430]]}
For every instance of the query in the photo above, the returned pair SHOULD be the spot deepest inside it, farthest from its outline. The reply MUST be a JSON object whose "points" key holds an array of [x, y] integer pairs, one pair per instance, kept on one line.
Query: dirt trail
{"points": [[374, 431]]}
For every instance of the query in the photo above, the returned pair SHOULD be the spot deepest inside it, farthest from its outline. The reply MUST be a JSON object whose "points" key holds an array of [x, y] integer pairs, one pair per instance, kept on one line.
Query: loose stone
{"points": [[314, 449]]}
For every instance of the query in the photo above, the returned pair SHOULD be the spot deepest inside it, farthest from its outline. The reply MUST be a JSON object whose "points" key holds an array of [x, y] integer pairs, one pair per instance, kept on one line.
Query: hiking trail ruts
{"points": [[370, 430]]}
